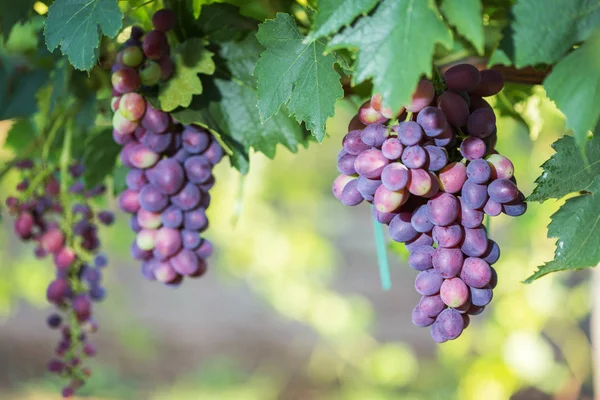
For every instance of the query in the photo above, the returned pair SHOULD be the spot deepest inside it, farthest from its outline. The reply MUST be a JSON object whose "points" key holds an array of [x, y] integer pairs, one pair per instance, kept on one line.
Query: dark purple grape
{"points": [[345, 164], [447, 261], [158, 143], [339, 184], [197, 169], [502, 191], [431, 305], [462, 78], [168, 176], [454, 292], [155, 120], [133, 224], [374, 135], [414, 156], [479, 171], [437, 156], [153, 199], [172, 217], [367, 187], [474, 195], [155, 45], [450, 323], [214, 153], [148, 269], [514, 208], [164, 20], [106, 217], [409, 133], [167, 67], [481, 123], [445, 139], [455, 108], [136, 179], [401, 229], [492, 254], [428, 282], [424, 239], [469, 217], [350, 195], [472, 148], [54, 321], [187, 198], [420, 220], [432, 120], [205, 250], [420, 258], [481, 296], [419, 318], [490, 84], [190, 239], [82, 306], [353, 143], [384, 217], [195, 220], [475, 243], [476, 272], [195, 140], [443, 209]]}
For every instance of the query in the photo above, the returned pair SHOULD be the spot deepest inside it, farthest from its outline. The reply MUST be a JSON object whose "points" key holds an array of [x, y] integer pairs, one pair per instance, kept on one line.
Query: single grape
{"points": [[155, 45], [419, 318], [339, 184], [468, 216], [345, 164], [409, 133], [64, 258], [428, 282], [422, 96], [155, 120], [370, 163], [492, 208], [420, 258], [445, 139], [148, 220], [490, 84], [384, 217], [443, 209], [132, 56], [481, 123], [455, 108], [475, 243], [195, 140], [436, 334], [52, 241], [353, 143], [368, 115], [139, 254], [350, 195], [164, 272], [502, 167], [57, 290], [432, 120], [401, 230], [502, 191], [125, 80], [447, 261], [185, 262], [414, 156], [142, 157], [474, 195], [388, 201], [472, 148], [424, 239], [479, 171], [476, 272], [481, 296], [374, 135], [136, 179], [123, 126], [437, 156], [146, 239], [394, 176], [392, 149], [168, 176], [454, 292], [153, 199], [450, 323], [158, 143], [367, 187], [452, 177], [168, 242], [462, 77], [214, 152], [150, 73], [515, 208], [447, 236], [420, 182], [420, 220], [431, 305], [132, 106], [164, 20], [492, 254], [195, 220], [167, 68]]}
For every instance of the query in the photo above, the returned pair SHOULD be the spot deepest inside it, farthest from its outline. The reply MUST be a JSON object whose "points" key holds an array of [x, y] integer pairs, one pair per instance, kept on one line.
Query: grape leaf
{"points": [[466, 17], [567, 171], [297, 74], [21, 134], [334, 14], [191, 59], [577, 94], [76, 26], [18, 89], [198, 4], [13, 12], [228, 107], [543, 31], [396, 45], [223, 22], [100, 156], [576, 226]]}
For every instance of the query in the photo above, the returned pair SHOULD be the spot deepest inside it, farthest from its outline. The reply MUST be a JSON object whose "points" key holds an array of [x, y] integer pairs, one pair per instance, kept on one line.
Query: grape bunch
{"points": [[432, 173], [170, 163], [55, 213]]}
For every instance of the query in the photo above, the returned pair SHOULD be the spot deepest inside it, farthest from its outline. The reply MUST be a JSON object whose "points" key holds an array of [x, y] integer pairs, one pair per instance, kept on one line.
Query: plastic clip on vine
{"points": [[53, 209], [170, 164], [432, 177]]}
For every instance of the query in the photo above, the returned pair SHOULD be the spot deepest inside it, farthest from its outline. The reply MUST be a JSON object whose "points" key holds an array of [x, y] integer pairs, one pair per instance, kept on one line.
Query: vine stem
{"points": [[49, 139], [595, 330]]}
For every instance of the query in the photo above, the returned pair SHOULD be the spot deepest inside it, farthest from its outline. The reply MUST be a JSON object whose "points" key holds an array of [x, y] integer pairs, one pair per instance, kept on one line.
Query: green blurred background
{"points": [[292, 307]]}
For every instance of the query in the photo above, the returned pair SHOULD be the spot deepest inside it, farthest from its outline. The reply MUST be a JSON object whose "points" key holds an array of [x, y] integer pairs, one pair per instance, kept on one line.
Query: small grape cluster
{"points": [[61, 221], [170, 163], [432, 177]]}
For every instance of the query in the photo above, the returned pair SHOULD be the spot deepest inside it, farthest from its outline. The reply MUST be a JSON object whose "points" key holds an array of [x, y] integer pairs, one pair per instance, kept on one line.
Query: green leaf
{"points": [[100, 156], [333, 14], [576, 226], [198, 4], [574, 85], [466, 17], [543, 31], [60, 83], [223, 22], [18, 89], [297, 74], [191, 59], [76, 25], [12, 13], [228, 107], [396, 46], [567, 171], [20, 135]]}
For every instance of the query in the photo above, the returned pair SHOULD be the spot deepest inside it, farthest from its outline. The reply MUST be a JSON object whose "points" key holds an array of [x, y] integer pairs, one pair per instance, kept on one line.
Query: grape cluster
{"points": [[170, 164], [432, 177], [59, 218]]}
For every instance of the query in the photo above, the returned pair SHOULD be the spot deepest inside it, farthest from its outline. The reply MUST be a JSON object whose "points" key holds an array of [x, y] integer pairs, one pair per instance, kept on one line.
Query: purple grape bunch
{"points": [[170, 163], [432, 177], [59, 218]]}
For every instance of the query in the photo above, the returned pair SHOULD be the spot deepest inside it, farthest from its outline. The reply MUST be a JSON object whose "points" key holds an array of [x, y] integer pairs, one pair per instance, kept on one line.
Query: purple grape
{"points": [[436, 334], [450, 323], [133, 224], [431, 305], [52, 241], [447, 261], [490, 84], [384, 217], [339, 184], [24, 225], [148, 269], [420, 183], [472, 148], [447, 236], [455, 108], [353, 143], [370, 163], [54, 321], [64, 258], [168, 176], [139, 254], [195, 220], [422, 96], [158, 143], [442, 209], [148, 220], [168, 241], [153, 199], [167, 67], [438, 157], [401, 229], [476, 272], [136, 179], [409, 133], [474, 195], [432, 120], [479, 171], [492, 254], [190, 239], [125, 80], [195, 140], [481, 123], [82, 306], [188, 197], [475, 243], [414, 156], [392, 149], [419, 318], [424, 239], [172, 217], [445, 139], [492, 208], [454, 292], [420, 220], [155, 45], [469, 217], [345, 164], [462, 78], [106, 217], [142, 157], [503, 191], [452, 177], [515, 208], [428, 282], [164, 272], [205, 250], [420, 258], [155, 120], [123, 126], [502, 167], [367, 187], [481, 296], [214, 153], [395, 176], [164, 20], [185, 262], [350, 195]]}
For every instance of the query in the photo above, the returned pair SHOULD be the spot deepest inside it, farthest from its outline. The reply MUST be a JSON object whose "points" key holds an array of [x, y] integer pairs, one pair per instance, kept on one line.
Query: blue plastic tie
{"points": [[382, 260]]}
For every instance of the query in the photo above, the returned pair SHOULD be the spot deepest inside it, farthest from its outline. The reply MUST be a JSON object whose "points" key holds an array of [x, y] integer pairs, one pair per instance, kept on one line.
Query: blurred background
{"points": [[292, 306]]}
